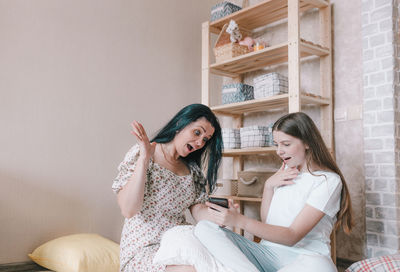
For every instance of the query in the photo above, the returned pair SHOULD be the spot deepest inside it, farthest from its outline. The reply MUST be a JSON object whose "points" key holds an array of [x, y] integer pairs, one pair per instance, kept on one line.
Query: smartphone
{"points": [[223, 202]]}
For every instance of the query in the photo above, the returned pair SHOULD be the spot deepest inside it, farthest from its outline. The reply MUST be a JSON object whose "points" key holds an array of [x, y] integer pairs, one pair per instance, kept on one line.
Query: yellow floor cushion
{"points": [[87, 252]]}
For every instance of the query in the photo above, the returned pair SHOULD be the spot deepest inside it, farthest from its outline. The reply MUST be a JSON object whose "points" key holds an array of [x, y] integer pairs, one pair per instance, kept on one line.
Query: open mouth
{"points": [[286, 159], [189, 147]]}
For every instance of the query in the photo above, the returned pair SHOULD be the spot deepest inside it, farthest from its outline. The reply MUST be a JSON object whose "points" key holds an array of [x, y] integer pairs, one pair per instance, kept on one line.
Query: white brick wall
{"points": [[380, 31]]}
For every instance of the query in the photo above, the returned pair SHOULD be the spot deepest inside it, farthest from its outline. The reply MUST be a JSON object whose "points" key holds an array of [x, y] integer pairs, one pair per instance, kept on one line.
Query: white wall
{"points": [[73, 75]]}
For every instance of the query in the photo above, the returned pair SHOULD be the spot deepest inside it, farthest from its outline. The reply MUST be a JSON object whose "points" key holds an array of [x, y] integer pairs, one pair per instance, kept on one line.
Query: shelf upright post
{"points": [[205, 64], [238, 164], [327, 91], [294, 55], [237, 160], [326, 76]]}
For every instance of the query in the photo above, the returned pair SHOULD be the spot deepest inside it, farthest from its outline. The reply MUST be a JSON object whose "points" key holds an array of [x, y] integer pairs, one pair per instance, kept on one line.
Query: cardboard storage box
{"points": [[251, 183]]}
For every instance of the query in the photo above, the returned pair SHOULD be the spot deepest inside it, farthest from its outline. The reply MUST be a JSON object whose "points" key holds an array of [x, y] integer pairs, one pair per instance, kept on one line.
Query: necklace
{"points": [[165, 157]]}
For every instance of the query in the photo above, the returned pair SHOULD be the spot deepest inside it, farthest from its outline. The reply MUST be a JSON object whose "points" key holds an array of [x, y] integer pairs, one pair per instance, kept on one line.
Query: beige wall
{"points": [[73, 75]]}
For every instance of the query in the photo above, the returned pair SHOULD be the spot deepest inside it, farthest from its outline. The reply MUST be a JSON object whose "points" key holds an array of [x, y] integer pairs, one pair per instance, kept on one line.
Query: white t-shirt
{"points": [[321, 192]]}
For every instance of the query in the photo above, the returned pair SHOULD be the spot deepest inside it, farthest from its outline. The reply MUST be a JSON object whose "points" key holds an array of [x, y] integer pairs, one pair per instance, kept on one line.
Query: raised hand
{"points": [[282, 177], [146, 148]]}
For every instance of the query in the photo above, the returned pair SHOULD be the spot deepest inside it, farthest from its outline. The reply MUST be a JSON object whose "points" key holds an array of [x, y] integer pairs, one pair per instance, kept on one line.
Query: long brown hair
{"points": [[301, 126]]}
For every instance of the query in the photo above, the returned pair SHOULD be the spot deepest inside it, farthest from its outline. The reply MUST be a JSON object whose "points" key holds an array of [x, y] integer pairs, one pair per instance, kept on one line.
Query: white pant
{"points": [[240, 254]]}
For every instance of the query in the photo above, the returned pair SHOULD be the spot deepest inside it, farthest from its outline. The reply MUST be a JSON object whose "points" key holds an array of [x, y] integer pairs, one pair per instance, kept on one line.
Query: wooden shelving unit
{"points": [[290, 52]]}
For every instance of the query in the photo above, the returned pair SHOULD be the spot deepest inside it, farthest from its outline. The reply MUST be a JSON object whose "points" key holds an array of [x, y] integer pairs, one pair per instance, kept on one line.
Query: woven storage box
{"points": [[251, 183], [237, 92], [223, 9], [231, 138], [270, 84], [224, 49], [254, 136], [228, 51], [226, 187]]}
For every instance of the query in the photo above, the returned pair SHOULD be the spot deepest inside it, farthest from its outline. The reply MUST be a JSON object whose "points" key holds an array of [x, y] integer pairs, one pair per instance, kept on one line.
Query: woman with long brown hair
{"points": [[303, 202]]}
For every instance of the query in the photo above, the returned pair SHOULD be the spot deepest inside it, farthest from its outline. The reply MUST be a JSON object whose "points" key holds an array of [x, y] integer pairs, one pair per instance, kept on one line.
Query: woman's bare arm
{"points": [[130, 197]]}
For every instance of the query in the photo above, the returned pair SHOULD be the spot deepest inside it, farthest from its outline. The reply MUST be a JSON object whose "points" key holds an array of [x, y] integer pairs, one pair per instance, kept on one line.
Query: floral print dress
{"points": [[166, 197]]}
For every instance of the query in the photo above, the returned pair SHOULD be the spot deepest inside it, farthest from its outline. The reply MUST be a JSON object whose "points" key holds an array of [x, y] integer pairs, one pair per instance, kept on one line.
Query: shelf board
{"points": [[248, 151], [268, 103], [308, 99], [263, 13], [255, 105], [256, 60], [240, 198], [252, 151]]}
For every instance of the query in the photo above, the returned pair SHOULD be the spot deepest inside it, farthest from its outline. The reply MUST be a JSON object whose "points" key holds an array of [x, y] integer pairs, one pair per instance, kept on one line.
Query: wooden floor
{"points": [[22, 267], [32, 267]]}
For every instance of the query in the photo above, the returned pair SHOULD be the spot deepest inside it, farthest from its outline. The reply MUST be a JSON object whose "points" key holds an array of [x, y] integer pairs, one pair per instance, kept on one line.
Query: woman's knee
{"points": [[205, 228]]}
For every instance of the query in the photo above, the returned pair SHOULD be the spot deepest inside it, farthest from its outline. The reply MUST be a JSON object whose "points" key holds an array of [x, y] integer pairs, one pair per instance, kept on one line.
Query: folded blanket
{"points": [[179, 246]]}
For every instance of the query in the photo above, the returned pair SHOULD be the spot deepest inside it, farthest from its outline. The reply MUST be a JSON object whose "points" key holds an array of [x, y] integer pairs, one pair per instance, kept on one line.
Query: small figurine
{"points": [[233, 29]]}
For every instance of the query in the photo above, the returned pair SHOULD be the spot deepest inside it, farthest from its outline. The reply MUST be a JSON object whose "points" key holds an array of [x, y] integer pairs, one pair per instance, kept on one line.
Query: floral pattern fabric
{"points": [[166, 197]]}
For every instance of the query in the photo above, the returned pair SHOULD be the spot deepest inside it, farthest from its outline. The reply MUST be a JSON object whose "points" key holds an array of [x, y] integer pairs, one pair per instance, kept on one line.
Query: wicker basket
{"points": [[224, 49], [251, 183], [226, 187]]}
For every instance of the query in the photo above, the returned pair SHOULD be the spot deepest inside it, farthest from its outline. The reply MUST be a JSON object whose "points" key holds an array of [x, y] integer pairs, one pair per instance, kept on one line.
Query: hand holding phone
{"points": [[223, 202]]}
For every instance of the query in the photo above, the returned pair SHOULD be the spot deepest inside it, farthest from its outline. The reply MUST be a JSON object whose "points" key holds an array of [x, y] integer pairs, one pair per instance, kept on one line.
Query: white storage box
{"points": [[254, 136], [231, 138], [270, 84]]}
